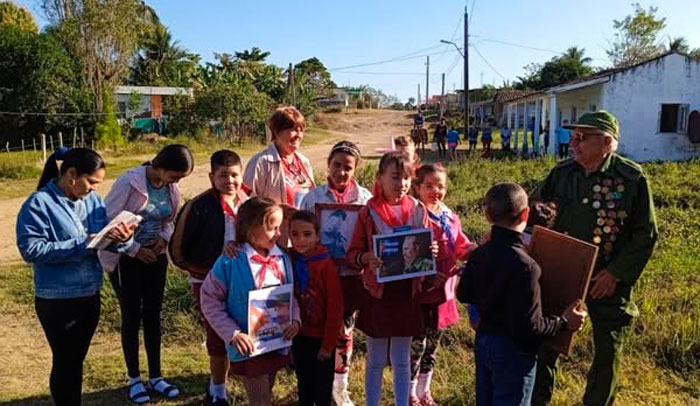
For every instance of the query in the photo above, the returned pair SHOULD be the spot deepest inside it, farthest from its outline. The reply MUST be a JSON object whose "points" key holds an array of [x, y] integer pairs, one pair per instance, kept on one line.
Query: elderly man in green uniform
{"points": [[604, 199]]}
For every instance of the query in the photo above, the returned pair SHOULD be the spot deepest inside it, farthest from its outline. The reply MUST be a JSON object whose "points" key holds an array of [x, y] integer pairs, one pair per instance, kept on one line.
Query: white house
{"points": [[150, 99], [657, 104], [340, 98]]}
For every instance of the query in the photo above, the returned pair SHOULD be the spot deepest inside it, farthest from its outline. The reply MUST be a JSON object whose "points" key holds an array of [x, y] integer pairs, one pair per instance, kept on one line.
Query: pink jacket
{"points": [[129, 192], [265, 177]]}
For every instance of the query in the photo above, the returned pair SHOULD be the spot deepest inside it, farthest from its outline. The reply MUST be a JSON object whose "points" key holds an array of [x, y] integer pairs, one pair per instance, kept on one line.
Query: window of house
{"points": [[574, 116], [592, 107], [121, 107], [673, 118]]}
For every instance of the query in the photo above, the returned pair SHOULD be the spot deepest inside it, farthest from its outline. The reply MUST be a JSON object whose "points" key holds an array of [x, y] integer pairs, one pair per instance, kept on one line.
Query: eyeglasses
{"points": [[581, 136]]}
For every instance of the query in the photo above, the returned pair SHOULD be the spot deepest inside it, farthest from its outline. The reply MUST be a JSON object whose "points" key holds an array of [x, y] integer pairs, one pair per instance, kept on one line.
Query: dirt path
{"points": [[369, 129]]}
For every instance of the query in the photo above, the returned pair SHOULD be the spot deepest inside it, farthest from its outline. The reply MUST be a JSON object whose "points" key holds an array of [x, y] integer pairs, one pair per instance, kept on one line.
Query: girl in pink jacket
{"points": [[138, 277], [439, 306]]}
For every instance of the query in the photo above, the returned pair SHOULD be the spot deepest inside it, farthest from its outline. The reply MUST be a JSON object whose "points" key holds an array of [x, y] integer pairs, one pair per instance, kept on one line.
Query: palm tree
{"points": [[678, 44], [575, 53], [162, 61], [254, 55]]}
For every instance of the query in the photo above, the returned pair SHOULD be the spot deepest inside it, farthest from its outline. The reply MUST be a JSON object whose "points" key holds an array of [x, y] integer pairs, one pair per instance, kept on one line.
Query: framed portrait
{"points": [[404, 254], [337, 223], [269, 314], [567, 265]]}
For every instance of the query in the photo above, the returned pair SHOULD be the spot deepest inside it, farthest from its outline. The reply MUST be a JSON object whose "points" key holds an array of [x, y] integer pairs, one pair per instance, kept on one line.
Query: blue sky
{"points": [[344, 34]]}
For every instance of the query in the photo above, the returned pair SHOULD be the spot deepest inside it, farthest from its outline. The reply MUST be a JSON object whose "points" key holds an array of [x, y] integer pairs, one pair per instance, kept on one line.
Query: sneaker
{"points": [[414, 401], [341, 396], [427, 400]]}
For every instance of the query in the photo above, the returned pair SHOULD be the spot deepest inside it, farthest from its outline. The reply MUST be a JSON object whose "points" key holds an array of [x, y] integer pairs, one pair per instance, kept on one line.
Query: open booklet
{"points": [[100, 241]]}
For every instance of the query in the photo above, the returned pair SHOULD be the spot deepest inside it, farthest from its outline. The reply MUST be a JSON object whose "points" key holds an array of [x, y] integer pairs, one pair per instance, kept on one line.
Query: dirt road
{"points": [[370, 129]]}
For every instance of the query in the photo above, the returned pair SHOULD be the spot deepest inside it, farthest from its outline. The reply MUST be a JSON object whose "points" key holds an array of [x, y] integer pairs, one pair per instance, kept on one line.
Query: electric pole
{"points": [[427, 82], [418, 106], [466, 72], [442, 97], [290, 82]]}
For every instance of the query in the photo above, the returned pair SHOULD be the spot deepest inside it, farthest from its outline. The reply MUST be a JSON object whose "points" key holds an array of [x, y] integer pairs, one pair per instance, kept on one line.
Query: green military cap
{"points": [[600, 120]]}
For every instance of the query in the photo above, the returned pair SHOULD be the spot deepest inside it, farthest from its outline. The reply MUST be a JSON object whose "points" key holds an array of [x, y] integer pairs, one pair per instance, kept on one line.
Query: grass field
{"points": [[662, 359]]}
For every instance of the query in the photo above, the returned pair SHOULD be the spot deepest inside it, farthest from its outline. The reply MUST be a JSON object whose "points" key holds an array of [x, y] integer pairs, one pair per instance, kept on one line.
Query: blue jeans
{"points": [[505, 376]]}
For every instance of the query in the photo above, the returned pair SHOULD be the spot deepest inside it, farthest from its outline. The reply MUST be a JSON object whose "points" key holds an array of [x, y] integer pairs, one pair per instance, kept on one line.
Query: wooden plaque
{"points": [[567, 265]]}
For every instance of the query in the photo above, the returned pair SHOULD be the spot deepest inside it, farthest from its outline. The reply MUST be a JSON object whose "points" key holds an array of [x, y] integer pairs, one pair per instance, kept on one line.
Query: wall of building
{"points": [[572, 104], [635, 97]]}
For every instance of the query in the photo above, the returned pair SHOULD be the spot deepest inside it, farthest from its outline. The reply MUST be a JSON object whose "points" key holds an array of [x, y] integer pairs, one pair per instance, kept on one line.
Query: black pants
{"points": [[69, 325], [314, 377], [442, 148], [563, 150], [139, 287]]}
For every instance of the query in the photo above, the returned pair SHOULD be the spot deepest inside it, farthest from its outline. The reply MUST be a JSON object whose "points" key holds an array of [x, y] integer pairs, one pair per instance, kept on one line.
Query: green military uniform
{"points": [[612, 208]]}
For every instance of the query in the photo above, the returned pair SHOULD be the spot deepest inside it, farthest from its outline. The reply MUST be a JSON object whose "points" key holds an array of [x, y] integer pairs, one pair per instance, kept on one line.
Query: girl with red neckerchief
{"points": [[390, 315]]}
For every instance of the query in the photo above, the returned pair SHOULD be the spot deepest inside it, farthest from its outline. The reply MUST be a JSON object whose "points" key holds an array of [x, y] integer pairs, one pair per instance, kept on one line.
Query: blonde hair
{"points": [[255, 212]]}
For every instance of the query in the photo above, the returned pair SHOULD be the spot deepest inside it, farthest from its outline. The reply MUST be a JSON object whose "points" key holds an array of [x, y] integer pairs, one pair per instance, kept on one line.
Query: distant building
{"points": [[151, 100], [340, 97], [657, 103]]}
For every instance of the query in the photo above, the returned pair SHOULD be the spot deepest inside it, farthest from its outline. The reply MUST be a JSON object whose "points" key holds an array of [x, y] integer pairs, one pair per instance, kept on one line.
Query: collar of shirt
{"points": [[506, 236], [270, 278]]}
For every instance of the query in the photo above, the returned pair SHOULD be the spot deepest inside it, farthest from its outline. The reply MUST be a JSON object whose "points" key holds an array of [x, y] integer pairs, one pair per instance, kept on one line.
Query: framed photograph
{"points": [[269, 314], [567, 265], [404, 254], [337, 225]]}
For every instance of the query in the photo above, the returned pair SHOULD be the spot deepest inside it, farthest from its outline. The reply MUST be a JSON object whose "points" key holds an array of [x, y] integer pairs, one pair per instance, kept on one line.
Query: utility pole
{"points": [[418, 107], [290, 82], [442, 96], [427, 81], [466, 72]]}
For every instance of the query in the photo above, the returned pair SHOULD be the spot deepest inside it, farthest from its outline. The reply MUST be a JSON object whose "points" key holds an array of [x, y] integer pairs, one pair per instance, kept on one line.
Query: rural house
{"points": [[657, 103]]}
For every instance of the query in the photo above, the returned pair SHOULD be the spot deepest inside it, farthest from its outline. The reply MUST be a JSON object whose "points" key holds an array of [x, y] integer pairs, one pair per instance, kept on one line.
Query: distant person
{"points": [[486, 138], [138, 278], [440, 136], [418, 120], [546, 137], [473, 138], [453, 142], [405, 144], [506, 133], [502, 281], [54, 227], [564, 136]]}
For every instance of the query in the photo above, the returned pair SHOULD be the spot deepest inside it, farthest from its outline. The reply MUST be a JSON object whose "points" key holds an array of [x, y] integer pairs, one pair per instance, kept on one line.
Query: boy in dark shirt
{"points": [[502, 281]]}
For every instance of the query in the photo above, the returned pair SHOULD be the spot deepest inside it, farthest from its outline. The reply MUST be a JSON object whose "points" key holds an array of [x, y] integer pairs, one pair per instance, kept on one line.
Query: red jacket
{"points": [[322, 302]]}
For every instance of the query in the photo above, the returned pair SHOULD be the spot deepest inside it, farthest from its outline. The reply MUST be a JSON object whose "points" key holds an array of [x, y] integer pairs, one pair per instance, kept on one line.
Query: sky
{"points": [[345, 34]]}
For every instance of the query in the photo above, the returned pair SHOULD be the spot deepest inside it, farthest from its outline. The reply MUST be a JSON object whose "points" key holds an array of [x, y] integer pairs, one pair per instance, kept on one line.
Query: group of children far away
{"points": [[228, 244]]}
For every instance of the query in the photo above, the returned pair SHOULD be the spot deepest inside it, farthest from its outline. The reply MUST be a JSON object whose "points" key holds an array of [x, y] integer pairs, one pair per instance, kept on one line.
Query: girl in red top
{"points": [[439, 308], [317, 288], [390, 315]]}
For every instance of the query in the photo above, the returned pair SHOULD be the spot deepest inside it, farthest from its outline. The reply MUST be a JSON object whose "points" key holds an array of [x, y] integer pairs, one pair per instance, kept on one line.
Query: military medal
{"points": [[596, 188], [597, 239], [596, 204]]}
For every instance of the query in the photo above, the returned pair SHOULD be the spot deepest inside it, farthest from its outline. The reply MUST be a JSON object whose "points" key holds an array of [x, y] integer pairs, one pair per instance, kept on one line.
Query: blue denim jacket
{"points": [[54, 240]]}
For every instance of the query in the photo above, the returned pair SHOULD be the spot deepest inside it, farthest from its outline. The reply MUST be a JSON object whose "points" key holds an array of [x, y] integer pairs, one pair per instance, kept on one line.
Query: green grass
{"points": [[662, 359]]}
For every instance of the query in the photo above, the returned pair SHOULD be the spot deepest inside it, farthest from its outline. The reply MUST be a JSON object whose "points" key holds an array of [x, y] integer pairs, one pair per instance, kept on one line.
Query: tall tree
{"points": [[254, 55], [636, 37], [161, 61], [103, 34], [16, 16]]}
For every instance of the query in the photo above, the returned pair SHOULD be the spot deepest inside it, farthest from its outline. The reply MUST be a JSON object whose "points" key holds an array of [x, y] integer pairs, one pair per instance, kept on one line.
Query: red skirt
{"points": [[395, 314], [262, 364], [353, 292]]}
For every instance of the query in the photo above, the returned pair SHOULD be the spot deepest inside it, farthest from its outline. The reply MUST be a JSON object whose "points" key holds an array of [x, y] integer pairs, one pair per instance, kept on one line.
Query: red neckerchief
{"points": [[301, 169], [384, 210], [267, 263], [342, 197], [240, 196]]}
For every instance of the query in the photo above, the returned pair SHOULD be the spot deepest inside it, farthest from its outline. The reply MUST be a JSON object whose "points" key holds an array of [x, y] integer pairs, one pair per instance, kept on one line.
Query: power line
{"points": [[471, 12], [383, 73], [397, 59], [481, 39], [487, 62]]}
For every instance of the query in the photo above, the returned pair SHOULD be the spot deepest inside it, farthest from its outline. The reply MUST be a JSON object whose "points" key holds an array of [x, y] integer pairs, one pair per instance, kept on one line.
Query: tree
{"points": [[635, 40], [15, 16], [254, 55], [569, 66], [37, 75], [103, 34], [161, 61]]}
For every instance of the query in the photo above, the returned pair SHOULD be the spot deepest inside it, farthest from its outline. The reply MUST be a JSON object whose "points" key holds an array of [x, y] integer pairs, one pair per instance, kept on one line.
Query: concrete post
{"points": [[553, 123]]}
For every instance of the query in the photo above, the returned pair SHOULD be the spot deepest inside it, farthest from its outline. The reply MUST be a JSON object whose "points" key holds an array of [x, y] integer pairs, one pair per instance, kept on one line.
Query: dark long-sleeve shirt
{"points": [[502, 281]]}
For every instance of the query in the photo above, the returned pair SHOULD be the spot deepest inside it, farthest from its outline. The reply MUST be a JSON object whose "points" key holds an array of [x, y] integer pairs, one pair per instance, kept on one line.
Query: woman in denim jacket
{"points": [[54, 228]]}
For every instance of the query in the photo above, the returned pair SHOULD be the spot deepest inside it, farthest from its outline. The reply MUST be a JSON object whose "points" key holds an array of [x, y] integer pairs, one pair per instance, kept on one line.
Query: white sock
{"points": [[414, 385], [424, 383], [340, 380], [217, 391]]}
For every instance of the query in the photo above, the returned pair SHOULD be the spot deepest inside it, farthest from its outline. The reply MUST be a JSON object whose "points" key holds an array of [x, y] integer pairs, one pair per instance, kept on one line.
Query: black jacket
{"points": [[198, 239], [502, 281]]}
